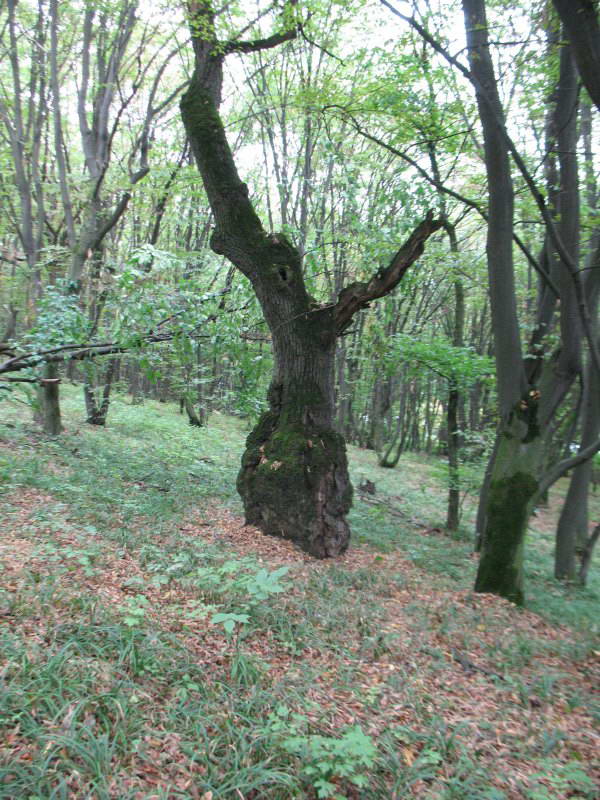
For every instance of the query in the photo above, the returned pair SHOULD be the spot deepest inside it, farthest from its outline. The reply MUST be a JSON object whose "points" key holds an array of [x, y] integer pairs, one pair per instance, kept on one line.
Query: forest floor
{"points": [[151, 646]]}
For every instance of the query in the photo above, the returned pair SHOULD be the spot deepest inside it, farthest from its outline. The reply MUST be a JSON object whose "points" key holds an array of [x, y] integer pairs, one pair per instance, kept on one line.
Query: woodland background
{"points": [[138, 606]]}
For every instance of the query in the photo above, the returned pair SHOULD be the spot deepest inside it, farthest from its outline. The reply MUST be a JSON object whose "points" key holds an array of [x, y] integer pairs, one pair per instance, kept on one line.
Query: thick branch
{"points": [[358, 295], [239, 233], [564, 466], [236, 221], [260, 44], [112, 220]]}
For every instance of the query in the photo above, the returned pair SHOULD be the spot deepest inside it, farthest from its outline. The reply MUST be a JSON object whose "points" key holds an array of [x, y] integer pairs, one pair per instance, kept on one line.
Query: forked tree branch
{"points": [[564, 466]]}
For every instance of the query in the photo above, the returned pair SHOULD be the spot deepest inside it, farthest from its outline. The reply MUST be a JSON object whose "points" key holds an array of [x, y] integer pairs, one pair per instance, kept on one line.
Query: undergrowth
{"points": [[142, 656]]}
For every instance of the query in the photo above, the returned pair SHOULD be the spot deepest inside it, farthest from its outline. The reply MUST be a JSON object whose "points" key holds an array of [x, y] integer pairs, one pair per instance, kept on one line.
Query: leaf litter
{"points": [[431, 654]]}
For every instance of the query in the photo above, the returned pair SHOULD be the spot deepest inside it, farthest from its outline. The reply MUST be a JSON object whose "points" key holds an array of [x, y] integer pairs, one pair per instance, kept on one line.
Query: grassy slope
{"points": [[117, 685]]}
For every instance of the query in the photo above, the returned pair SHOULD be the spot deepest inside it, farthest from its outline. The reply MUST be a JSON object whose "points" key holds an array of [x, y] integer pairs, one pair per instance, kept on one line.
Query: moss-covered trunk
{"points": [[513, 484], [294, 478]]}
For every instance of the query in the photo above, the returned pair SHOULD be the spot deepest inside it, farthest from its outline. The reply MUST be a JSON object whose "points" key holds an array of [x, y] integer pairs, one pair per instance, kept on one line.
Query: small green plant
{"points": [[229, 620], [135, 611], [561, 780], [187, 688], [327, 761], [248, 590], [85, 559]]}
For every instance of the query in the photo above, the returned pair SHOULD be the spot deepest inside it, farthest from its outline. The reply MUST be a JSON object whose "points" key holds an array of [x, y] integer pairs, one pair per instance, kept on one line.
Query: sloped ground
{"points": [[120, 547]]}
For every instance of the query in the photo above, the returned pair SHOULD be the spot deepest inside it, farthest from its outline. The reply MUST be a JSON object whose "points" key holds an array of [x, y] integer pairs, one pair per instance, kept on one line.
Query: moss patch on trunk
{"points": [[294, 483], [501, 565]]}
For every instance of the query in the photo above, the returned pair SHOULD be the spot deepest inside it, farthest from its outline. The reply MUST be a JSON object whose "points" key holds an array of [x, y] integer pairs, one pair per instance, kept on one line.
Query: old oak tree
{"points": [[294, 478]]}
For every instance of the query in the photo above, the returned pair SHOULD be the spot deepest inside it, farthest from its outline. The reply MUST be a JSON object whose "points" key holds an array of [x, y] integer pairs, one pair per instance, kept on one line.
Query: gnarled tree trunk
{"points": [[294, 478]]}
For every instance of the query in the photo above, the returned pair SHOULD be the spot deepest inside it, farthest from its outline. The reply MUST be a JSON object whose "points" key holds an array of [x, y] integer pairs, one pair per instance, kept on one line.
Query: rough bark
{"points": [[294, 477], [511, 491]]}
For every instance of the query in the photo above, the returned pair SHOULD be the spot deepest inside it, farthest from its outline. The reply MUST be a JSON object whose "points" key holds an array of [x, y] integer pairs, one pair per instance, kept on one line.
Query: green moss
{"points": [[294, 483], [501, 565]]}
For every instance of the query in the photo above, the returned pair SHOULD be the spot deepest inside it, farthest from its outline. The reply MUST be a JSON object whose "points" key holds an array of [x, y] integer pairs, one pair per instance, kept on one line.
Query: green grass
{"points": [[117, 685]]}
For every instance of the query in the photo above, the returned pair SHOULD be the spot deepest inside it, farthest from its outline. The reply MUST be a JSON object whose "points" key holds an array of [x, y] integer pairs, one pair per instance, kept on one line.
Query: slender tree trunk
{"points": [[586, 555], [96, 407], [195, 419], [455, 402], [453, 514], [572, 530], [572, 538], [512, 483], [389, 459]]}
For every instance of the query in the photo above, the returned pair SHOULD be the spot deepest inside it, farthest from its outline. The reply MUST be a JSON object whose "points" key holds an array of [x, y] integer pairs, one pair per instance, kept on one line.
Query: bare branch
{"points": [[260, 44], [564, 466], [358, 295], [450, 192]]}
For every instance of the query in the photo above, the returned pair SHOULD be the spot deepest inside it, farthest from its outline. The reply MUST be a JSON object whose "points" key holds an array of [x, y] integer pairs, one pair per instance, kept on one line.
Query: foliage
{"points": [[326, 760], [460, 366], [59, 320]]}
